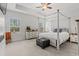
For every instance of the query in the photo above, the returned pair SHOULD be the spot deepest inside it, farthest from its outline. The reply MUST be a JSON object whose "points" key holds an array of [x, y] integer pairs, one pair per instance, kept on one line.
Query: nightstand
{"points": [[74, 37], [31, 35]]}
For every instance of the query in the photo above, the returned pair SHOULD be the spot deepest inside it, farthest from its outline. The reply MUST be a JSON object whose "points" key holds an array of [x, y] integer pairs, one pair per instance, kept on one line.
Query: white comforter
{"points": [[63, 36]]}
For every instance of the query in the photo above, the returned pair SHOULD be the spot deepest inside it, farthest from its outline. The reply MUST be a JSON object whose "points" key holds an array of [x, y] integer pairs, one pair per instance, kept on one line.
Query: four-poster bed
{"points": [[58, 37]]}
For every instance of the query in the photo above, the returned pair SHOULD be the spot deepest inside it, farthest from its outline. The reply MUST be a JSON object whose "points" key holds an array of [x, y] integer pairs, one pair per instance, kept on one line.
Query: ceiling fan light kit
{"points": [[44, 6]]}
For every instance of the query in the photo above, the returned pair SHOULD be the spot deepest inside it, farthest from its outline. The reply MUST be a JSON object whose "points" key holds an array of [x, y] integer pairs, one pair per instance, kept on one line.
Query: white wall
{"points": [[25, 20], [63, 22]]}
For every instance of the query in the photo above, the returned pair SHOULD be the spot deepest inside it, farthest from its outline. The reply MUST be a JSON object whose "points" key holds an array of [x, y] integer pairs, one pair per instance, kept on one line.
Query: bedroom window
{"points": [[48, 26], [14, 25]]}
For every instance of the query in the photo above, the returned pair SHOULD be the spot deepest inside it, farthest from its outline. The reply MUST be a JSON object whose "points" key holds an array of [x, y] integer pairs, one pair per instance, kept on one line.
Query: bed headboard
{"points": [[65, 29], [61, 30]]}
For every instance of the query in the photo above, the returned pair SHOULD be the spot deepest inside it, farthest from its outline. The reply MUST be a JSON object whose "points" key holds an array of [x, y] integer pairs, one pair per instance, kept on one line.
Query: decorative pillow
{"points": [[60, 30], [65, 30], [55, 30]]}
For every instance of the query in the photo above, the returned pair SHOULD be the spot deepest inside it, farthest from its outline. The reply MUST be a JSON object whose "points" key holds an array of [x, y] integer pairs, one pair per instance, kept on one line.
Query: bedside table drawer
{"points": [[73, 38], [76, 39]]}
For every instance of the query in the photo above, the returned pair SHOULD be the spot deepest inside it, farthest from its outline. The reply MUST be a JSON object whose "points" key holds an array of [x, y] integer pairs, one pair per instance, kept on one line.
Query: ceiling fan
{"points": [[45, 6]]}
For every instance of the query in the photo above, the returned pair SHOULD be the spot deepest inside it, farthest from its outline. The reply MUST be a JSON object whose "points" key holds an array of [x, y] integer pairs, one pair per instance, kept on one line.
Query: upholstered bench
{"points": [[43, 42]]}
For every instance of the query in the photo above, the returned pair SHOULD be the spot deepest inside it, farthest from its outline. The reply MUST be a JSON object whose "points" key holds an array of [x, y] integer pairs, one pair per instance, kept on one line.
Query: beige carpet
{"points": [[29, 48]]}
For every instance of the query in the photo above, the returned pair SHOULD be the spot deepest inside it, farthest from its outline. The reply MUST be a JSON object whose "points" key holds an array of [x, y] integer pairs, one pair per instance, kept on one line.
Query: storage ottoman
{"points": [[43, 42]]}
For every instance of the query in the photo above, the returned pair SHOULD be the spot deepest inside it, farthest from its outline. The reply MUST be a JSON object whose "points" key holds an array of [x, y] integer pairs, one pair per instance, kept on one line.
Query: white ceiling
{"points": [[69, 9]]}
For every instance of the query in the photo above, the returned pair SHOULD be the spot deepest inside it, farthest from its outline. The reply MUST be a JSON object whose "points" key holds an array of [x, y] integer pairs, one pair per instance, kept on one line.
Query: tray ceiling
{"points": [[69, 9]]}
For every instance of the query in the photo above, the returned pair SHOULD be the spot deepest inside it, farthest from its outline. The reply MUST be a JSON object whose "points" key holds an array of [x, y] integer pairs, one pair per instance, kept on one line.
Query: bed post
{"points": [[58, 29], [38, 27], [44, 22], [69, 24]]}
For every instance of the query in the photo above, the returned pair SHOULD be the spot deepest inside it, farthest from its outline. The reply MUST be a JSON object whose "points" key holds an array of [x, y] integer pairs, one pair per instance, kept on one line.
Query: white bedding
{"points": [[63, 36]]}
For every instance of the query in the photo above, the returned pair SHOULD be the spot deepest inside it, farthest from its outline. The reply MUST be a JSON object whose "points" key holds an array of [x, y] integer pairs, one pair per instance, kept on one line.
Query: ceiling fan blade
{"points": [[49, 7], [43, 3], [48, 3], [38, 7]]}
